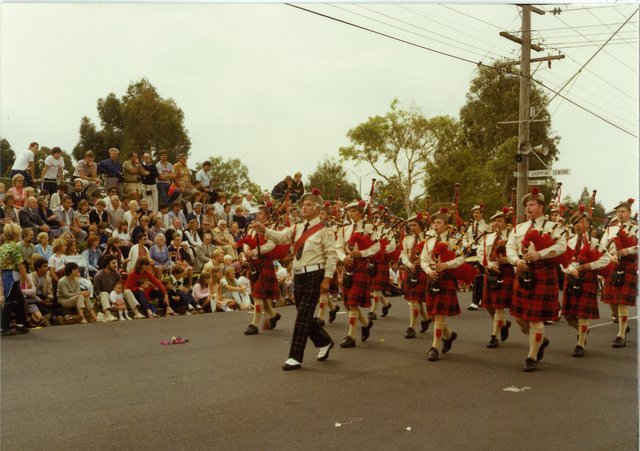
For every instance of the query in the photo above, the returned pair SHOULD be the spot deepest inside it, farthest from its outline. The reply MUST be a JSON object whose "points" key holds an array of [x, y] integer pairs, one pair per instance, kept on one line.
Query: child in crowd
{"points": [[222, 304], [116, 297], [83, 215], [103, 234], [230, 289], [243, 281], [201, 290], [146, 287], [177, 285]]}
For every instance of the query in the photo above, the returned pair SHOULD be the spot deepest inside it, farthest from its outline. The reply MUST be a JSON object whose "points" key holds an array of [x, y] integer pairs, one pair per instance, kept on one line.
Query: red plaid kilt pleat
{"points": [[419, 292], [360, 291], [446, 301], [266, 287], [626, 294], [381, 281], [334, 287], [584, 305], [539, 303], [500, 297]]}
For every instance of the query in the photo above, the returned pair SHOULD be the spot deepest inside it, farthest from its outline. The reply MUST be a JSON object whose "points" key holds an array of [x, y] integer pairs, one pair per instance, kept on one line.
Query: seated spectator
{"points": [[240, 219], [140, 281], [124, 237], [104, 235], [236, 233], [30, 218], [99, 214], [157, 228], [159, 253], [131, 215], [176, 227], [202, 292], [145, 211], [203, 253], [396, 289], [219, 205], [113, 248], [87, 173], [177, 283], [222, 304], [143, 227], [247, 203], [83, 215], [281, 188], [68, 220], [10, 214], [244, 281], [139, 250], [26, 246], [223, 240], [70, 295], [56, 197], [34, 314], [92, 254], [217, 261], [176, 212], [226, 216], [210, 215], [191, 234], [266, 198], [235, 201], [77, 194], [179, 256], [163, 215], [116, 298], [44, 293], [113, 191], [206, 228], [47, 216], [204, 177], [196, 214], [17, 191], [285, 280], [72, 255], [104, 283], [297, 187], [116, 214], [43, 248], [231, 289], [294, 216]]}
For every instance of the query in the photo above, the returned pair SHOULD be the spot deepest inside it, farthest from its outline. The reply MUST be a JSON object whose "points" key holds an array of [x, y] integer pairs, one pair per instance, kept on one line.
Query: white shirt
{"points": [[204, 178], [54, 166], [23, 160]]}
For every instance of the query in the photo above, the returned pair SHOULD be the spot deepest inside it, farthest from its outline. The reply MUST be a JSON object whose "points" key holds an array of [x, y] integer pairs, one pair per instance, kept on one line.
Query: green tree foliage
{"points": [[230, 176], [398, 145], [384, 190], [69, 166], [598, 212], [141, 121], [326, 178], [7, 157]]}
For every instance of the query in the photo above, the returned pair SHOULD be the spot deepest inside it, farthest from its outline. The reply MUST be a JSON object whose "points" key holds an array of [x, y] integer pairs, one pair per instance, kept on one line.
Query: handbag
{"points": [[494, 282]]}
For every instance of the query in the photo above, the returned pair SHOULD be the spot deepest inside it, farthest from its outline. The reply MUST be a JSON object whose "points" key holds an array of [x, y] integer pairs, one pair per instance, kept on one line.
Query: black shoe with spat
{"points": [[410, 333], [366, 330], [493, 343], [544, 344], [385, 309], [425, 325], [332, 314], [504, 331], [446, 344]]}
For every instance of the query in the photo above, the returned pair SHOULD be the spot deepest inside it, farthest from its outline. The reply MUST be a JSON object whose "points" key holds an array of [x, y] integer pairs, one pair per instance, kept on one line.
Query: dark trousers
{"points": [[307, 292], [13, 303], [478, 285]]}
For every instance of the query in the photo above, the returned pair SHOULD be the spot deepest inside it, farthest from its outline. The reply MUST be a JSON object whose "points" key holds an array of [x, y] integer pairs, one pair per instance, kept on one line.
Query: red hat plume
{"points": [[444, 210], [315, 191], [327, 204], [481, 205], [269, 204], [535, 190], [381, 207], [630, 200], [505, 210], [362, 204], [419, 216], [582, 208]]}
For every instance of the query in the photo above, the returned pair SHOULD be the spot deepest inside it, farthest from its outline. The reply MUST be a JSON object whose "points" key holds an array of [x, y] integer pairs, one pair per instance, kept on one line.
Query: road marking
{"points": [[516, 389], [610, 322]]}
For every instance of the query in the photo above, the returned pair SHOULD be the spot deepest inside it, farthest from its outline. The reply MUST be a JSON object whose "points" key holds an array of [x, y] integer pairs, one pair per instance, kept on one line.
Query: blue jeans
{"points": [[163, 193]]}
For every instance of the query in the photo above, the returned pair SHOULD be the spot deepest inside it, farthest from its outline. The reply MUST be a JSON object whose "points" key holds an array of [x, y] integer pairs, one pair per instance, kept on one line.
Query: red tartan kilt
{"points": [[446, 301], [360, 292], [334, 287], [381, 281], [419, 292], [584, 305], [540, 303], [266, 287], [501, 297], [626, 294]]}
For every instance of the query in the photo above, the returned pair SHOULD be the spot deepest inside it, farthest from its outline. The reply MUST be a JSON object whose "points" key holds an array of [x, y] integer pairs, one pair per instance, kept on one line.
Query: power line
{"points": [[473, 17]]}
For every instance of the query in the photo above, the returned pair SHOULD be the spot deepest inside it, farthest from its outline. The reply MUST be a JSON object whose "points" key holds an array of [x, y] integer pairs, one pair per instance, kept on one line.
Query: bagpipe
{"points": [[465, 272]]}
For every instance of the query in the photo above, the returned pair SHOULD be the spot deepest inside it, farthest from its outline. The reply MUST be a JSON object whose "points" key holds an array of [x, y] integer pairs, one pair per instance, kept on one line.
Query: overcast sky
{"points": [[279, 88]]}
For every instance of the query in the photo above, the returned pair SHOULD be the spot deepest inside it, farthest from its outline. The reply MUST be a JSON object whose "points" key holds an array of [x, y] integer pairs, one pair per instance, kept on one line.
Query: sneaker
{"points": [[227, 308], [188, 313], [109, 318], [473, 306]]}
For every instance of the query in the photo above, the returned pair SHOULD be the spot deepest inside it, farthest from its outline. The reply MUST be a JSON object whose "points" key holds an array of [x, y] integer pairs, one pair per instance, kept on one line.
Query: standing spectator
{"points": [[133, 170], [87, 173], [70, 295], [112, 169], [30, 218], [166, 176], [17, 190], [183, 179], [223, 239], [53, 168], [68, 220], [297, 187], [56, 198], [43, 248], [24, 164], [149, 184], [77, 195], [11, 262], [204, 177]]}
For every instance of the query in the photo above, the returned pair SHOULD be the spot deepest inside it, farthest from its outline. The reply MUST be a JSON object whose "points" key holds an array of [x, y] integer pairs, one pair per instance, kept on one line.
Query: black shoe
{"points": [[504, 331], [493, 343], [433, 354], [348, 342], [446, 344], [273, 321], [615, 320], [425, 325], [326, 355], [332, 314], [366, 330], [22, 329], [544, 344], [385, 309], [8, 332], [251, 330], [320, 321], [619, 342], [530, 365], [410, 333], [287, 367], [578, 351], [372, 316], [627, 330]]}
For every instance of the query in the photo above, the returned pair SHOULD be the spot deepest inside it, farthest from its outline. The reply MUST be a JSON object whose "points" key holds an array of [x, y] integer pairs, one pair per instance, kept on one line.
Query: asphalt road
{"points": [[114, 386]]}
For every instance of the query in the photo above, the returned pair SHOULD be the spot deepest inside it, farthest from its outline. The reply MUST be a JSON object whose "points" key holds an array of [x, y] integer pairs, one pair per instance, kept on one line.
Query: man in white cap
{"points": [[470, 242]]}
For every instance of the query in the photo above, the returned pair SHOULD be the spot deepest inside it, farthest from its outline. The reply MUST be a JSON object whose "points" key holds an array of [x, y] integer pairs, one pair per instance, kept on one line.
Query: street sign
{"points": [[549, 172], [537, 182], [517, 174]]}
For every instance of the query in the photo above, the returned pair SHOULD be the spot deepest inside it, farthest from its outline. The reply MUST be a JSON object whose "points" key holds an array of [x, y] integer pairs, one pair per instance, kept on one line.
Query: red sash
{"points": [[305, 236]]}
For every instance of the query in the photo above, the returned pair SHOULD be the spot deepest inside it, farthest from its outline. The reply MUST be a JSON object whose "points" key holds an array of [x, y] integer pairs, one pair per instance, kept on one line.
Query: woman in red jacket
{"points": [[143, 270]]}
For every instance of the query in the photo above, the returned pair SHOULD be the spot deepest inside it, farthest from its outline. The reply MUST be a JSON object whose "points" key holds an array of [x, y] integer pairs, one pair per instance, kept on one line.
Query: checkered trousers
{"points": [[334, 287], [266, 287], [626, 294], [585, 304], [540, 302], [445, 302], [381, 281], [501, 296], [418, 292], [360, 292], [306, 290]]}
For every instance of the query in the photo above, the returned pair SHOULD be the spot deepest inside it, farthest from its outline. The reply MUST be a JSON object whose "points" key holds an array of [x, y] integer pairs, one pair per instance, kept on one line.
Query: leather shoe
{"points": [[410, 333], [425, 325], [273, 321], [493, 343], [578, 351], [7, 332], [433, 354], [544, 344], [366, 330], [348, 342], [372, 316], [504, 331], [385, 309], [22, 329], [446, 344], [322, 356], [530, 365], [332, 314], [251, 330], [289, 367], [619, 342], [320, 321], [473, 306]]}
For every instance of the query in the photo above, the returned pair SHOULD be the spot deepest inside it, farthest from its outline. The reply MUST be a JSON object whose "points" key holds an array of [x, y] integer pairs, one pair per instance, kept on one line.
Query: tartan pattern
{"points": [[584, 305], [306, 293], [359, 293], [266, 287], [419, 292], [334, 287], [381, 280], [500, 298], [626, 294], [540, 303], [446, 301]]}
